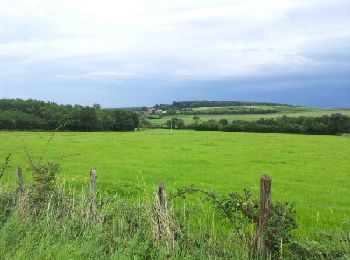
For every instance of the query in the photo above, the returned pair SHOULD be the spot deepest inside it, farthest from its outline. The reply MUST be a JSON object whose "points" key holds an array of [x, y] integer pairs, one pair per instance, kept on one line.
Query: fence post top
{"points": [[93, 173], [265, 177]]}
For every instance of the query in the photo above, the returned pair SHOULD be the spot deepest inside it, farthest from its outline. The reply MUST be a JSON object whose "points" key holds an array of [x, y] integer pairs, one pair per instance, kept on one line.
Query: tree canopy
{"points": [[333, 124], [18, 114]]}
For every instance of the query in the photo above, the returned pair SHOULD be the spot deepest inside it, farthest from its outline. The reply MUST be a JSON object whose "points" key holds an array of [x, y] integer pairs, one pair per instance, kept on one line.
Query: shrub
{"points": [[234, 205]]}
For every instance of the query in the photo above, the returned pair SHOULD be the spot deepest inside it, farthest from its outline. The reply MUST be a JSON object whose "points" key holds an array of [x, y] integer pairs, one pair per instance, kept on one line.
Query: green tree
{"points": [[338, 124], [223, 122], [176, 122], [196, 119]]}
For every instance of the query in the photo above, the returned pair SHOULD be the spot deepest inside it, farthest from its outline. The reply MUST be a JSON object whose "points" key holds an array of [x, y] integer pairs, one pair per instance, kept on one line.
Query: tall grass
{"points": [[123, 228], [128, 228]]}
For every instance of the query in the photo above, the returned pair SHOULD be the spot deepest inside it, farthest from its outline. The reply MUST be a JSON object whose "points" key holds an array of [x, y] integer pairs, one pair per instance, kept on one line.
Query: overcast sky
{"points": [[134, 52]]}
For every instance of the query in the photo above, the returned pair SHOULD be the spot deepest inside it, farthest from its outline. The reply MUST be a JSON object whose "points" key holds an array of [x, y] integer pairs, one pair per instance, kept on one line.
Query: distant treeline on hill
{"points": [[328, 125], [205, 103], [18, 114], [240, 111]]}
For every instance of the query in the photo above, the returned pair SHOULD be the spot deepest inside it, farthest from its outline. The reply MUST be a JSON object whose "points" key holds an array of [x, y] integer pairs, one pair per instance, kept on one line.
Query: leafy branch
{"points": [[6, 164]]}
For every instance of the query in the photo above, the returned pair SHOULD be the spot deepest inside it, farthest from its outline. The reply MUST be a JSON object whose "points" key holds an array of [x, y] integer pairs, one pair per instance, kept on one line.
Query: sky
{"points": [[138, 52]]}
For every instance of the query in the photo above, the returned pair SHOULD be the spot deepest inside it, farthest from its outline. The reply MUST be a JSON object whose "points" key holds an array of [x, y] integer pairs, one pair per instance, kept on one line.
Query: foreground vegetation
{"points": [[58, 224], [43, 219]]}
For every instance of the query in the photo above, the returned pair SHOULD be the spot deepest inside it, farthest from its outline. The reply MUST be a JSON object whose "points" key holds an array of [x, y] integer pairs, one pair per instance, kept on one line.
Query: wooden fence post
{"points": [[20, 178], [93, 176], [162, 221], [161, 196], [265, 213], [164, 230]]}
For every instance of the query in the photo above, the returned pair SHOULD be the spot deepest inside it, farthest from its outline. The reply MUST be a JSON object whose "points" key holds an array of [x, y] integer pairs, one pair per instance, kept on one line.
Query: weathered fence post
{"points": [[161, 197], [93, 176], [20, 178], [163, 232], [265, 213]]}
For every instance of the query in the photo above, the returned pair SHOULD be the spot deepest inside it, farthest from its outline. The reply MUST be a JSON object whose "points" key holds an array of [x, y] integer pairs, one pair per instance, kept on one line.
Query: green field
{"points": [[313, 171], [284, 110]]}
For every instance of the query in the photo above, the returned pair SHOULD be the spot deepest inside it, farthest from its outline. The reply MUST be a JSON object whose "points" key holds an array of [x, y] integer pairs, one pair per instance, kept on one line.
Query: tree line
{"points": [[323, 125], [183, 105], [18, 114], [206, 103]]}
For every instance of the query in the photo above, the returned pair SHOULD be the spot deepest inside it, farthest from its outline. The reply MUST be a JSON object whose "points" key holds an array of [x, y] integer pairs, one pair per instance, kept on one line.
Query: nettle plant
{"points": [[6, 197], [6, 165], [43, 188], [240, 209]]}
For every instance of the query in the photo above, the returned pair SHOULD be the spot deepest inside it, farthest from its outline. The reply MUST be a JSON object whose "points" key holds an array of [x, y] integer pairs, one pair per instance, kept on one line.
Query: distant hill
{"points": [[204, 103], [207, 103]]}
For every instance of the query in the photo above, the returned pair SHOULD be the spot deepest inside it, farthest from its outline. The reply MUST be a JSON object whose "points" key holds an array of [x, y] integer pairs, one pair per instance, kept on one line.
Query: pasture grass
{"points": [[311, 170]]}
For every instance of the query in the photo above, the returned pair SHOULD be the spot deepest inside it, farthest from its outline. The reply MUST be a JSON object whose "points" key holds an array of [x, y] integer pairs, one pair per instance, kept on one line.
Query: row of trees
{"points": [[332, 125], [18, 114], [206, 103]]}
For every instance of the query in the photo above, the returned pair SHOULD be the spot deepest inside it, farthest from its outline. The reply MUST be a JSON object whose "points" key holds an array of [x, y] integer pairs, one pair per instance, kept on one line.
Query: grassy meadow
{"points": [[313, 171]]}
